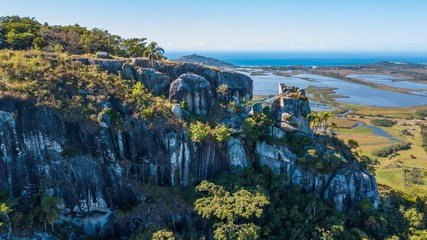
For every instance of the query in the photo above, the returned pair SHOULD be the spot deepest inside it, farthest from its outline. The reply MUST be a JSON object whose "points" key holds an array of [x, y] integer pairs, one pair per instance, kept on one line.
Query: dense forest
{"points": [[251, 203]]}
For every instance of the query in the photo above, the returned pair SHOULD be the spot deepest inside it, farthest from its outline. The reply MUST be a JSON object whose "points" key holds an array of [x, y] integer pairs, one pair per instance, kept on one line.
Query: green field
{"points": [[390, 171]]}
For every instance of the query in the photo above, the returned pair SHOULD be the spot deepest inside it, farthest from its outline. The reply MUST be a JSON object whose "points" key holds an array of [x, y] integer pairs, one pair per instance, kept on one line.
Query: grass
{"points": [[390, 170]]}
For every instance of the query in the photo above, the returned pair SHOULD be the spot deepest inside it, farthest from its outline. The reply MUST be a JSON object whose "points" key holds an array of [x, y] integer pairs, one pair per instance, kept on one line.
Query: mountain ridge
{"points": [[208, 61]]}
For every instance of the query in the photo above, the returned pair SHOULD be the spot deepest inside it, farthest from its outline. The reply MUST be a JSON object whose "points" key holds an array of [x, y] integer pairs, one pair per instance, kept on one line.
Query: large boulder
{"points": [[195, 90], [157, 82], [110, 65]]}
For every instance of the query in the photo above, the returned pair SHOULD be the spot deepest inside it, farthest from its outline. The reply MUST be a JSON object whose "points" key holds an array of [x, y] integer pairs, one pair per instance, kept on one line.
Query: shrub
{"points": [[422, 113], [393, 149], [199, 132], [256, 127], [222, 133], [406, 132], [383, 122]]}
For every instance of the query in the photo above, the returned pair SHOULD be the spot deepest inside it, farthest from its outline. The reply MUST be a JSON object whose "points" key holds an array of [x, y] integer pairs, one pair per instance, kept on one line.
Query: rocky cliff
{"points": [[93, 168]]}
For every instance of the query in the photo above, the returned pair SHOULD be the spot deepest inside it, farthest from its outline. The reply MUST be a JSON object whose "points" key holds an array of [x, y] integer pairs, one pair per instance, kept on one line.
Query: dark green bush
{"points": [[393, 149], [383, 122]]}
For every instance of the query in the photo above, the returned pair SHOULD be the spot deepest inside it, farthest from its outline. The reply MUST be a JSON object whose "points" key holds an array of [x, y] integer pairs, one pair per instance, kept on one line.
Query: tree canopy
{"points": [[21, 33]]}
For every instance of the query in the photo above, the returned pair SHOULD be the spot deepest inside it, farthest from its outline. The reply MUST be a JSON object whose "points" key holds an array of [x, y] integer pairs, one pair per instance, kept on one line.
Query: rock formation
{"points": [[196, 91], [91, 167], [291, 108]]}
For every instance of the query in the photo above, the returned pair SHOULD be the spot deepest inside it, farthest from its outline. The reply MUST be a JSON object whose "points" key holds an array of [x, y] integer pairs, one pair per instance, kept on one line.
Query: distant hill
{"points": [[194, 58]]}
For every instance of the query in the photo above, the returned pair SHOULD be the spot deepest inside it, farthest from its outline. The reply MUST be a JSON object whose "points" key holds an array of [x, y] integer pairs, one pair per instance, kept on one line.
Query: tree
{"points": [[163, 235], [49, 210], [18, 33], [153, 52], [229, 210], [314, 121], [320, 120], [134, 47], [97, 40]]}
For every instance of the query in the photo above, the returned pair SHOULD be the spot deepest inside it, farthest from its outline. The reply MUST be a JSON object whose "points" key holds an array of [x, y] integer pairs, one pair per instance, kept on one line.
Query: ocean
{"points": [[305, 58]]}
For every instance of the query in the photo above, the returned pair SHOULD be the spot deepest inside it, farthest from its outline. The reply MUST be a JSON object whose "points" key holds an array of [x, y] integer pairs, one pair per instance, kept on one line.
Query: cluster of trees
{"points": [[21, 33], [271, 209], [320, 121], [383, 122], [389, 150]]}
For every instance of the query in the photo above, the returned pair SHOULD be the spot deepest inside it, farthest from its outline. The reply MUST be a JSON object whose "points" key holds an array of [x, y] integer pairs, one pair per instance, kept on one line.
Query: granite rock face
{"points": [[194, 90], [83, 165], [343, 188]]}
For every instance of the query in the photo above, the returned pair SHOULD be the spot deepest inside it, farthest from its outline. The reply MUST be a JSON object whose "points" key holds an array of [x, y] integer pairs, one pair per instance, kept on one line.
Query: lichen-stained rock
{"points": [[195, 90], [179, 112], [141, 62], [104, 55], [156, 82], [39, 150], [343, 188], [128, 71], [239, 157], [110, 65], [291, 108]]}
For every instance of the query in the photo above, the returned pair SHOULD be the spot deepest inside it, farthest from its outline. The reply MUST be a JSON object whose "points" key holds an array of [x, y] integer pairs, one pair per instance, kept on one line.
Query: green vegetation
{"points": [[421, 113], [153, 52], [406, 132], [49, 210], [24, 33], [200, 132], [77, 90], [256, 128], [320, 120], [389, 150], [5, 217], [383, 122], [424, 137], [163, 235], [229, 209]]}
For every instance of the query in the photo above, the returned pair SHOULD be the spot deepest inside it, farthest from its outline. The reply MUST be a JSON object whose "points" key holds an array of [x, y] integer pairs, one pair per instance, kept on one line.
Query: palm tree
{"points": [[49, 210], [153, 52], [324, 118], [314, 121]]}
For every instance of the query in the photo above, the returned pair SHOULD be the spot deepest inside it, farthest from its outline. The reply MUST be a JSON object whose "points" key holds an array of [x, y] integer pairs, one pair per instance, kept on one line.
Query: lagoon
{"points": [[391, 81], [355, 93]]}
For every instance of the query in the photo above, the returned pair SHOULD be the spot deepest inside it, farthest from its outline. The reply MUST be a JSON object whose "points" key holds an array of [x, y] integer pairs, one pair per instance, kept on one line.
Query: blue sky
{"points": [[246, 25]]}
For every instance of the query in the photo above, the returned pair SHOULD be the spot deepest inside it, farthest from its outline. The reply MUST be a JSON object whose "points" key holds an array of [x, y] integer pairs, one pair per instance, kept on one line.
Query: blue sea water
{"points": [[305, 58]]}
